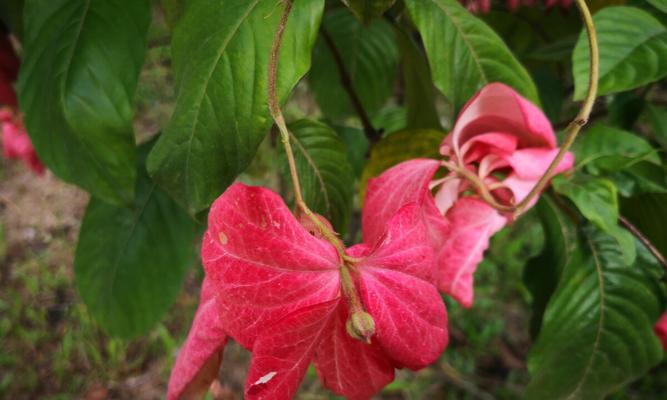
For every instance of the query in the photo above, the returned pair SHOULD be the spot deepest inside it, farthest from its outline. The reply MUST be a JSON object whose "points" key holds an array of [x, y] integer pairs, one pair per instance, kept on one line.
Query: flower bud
{"points": [[361, 326]]}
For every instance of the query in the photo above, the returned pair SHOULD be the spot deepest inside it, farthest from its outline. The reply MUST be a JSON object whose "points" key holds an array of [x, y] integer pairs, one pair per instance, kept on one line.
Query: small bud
{"points": [[361, 326]]}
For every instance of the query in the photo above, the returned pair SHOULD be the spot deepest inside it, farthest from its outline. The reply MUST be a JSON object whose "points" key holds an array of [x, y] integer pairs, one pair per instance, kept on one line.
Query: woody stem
{"points": [[584, 113], [277, 114]]}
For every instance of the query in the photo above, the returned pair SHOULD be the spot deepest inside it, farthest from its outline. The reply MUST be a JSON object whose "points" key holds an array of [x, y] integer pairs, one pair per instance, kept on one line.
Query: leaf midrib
{"points": [[473, 52], [601, 322], [204, 91]]}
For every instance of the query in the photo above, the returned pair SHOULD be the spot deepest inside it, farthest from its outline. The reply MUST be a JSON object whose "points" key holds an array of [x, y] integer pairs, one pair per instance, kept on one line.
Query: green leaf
{"points": [[543, 272], [659, 4], [221, 56], [464, 53], [419, 89], [598, 327], [605, 148], [81, 63], [131, 261], [648, 212], [633, 51], [398, 147], [597, 200], [623, 157], [369, 55], [356, 145], [657, 118], [366, 10], [326, 176], [640, 177]]}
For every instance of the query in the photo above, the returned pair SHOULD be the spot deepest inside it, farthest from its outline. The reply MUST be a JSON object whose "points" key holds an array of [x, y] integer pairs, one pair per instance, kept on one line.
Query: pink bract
{"points": [[508, 143], [277, 291]]}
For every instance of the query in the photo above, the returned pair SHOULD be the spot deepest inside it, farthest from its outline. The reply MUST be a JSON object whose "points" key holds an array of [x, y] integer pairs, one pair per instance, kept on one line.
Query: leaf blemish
{"points": [[260, 384], [223, 238]]}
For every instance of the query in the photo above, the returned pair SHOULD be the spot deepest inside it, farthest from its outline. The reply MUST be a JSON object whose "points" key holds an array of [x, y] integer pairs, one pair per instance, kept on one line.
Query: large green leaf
{"points": [[81, 63], [130, 261], [597, 333], [657, 117], [605, 148], [326, 175], [542, 273], [659, 4], [419, 89], [370, 58], [464, 53], [366, 10], [221, 56], [633, 51], [398, 147], [356, 145], [597, 200], [648, 212]]}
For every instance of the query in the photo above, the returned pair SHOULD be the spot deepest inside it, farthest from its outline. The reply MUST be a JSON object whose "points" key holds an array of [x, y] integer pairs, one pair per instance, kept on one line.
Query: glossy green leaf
{"points": [[659, 4], [648, 212], [657, 118], [326, 175], [81, 63], [220, 58], [398, 147], [131, 261], [543, 272], [605, 148], [640, 177], [369, 55], [356, 145], [366, 10], [597, 333], [419, 88], [597, 200], [464, 53], [633, 51]]}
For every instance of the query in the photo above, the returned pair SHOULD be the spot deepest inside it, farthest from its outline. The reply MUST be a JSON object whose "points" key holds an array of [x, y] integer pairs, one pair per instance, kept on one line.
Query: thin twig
{"points": [[645, 241], [277, 114], [372, 134], [584, 113]]}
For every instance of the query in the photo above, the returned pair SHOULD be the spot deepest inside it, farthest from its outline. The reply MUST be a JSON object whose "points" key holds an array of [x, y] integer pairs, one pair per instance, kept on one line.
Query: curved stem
{"points": [[584, 113], [277, 114]]}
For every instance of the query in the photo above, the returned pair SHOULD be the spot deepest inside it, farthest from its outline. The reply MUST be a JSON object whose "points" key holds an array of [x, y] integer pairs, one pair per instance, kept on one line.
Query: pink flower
{"points": [[291, 298], [661, 330], [16, 144], [499, 136]]}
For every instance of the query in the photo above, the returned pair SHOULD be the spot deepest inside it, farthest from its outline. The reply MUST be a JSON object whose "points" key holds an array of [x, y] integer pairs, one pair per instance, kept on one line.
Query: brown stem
{"points": [[372, 134], [645, 241], [584, 113], [277, 114]]}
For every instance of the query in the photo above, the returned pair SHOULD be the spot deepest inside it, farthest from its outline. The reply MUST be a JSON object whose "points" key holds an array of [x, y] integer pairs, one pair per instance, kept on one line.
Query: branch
{"points": [[647, 243], [584, 113], [277, 114], [372, 134]]}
